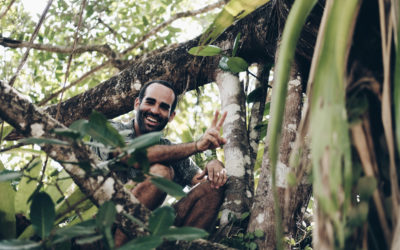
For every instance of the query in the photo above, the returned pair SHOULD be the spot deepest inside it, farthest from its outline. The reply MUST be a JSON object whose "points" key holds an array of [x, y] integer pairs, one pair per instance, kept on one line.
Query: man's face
{"points": [[154, 111]]}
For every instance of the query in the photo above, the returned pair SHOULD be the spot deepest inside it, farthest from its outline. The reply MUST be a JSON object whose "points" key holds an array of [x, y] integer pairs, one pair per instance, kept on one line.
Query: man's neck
{"points": [[136, 128]]}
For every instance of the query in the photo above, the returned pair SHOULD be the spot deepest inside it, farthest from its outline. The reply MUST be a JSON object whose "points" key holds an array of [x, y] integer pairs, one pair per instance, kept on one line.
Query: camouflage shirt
{"points": [[184, 170]]}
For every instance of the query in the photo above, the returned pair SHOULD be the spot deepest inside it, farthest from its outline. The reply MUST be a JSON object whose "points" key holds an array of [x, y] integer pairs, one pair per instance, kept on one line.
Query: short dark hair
{"points": [[162, 82]]}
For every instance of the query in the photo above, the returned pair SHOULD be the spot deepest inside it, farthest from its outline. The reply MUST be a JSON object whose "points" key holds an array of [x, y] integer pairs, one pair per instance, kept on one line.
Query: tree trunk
{"points": [[262, 212], [237, 156]]}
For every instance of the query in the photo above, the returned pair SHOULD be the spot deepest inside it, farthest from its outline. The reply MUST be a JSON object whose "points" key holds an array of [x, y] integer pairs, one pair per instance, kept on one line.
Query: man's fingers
{"points": [[214, 121], [221, 121], [211, 175], [202, 174]]}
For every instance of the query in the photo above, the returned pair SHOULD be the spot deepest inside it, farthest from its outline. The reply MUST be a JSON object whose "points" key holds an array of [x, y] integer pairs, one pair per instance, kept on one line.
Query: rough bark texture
{"points": [[262, 213], [237, 159]]}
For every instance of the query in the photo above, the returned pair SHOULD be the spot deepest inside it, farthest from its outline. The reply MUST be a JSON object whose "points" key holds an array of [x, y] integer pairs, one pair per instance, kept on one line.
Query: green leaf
{"points": [[105, 219], [19, 245], [223, 63], [86, 228], [9, 175], [168, 186], [143, 243], [101, 130], [236, 44], [256, 94], [291, 179], [7, 209], [161, 219], [365, 187], [42, 214], [68, 133], [88, 240], [143, 141], [259, 233], [41, 141], [209, 50], [184, 233], [106, 215], [6, 130], [244, 215], [237, 64], [232, 11], [134, 220]]}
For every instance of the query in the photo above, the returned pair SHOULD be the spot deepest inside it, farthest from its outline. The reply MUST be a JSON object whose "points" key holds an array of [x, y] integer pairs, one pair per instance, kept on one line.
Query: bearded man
{"points": [[155, 107]]}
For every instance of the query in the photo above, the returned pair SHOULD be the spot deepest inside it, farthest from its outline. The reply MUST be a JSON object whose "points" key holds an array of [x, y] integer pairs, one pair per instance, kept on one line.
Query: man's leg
{"points": [[148, 194], [200, 207]]}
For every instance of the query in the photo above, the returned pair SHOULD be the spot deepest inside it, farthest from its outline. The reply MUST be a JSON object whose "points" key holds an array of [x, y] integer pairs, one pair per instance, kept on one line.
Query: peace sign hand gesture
{"points": [[211, 139]]}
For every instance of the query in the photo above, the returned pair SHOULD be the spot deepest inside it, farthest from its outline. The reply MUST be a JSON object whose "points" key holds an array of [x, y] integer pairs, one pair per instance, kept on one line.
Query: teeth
{"points": [[151, 119]]}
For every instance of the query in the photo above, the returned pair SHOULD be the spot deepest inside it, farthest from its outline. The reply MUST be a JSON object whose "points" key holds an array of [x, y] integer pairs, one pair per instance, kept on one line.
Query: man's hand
{"points": [[211, 138], [216, 173]]}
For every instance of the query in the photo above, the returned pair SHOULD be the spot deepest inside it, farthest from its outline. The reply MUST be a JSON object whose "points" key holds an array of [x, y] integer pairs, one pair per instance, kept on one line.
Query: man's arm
{"points": [[211, 139]]}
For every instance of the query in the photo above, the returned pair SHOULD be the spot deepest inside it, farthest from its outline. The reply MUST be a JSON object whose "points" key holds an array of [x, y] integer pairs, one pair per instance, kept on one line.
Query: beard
{"points": [[145, 127]]}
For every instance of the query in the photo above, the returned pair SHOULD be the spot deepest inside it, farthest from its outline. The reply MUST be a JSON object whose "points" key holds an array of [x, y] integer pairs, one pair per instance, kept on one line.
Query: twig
{"points": [[70, 57], [173, 18], [7, 9], [25, 57], [77, 81], [66, 201], [111, 29]]}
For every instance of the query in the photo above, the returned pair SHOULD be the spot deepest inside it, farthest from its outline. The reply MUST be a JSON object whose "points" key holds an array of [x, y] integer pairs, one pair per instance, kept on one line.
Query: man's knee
{"points": [[162, 170]]}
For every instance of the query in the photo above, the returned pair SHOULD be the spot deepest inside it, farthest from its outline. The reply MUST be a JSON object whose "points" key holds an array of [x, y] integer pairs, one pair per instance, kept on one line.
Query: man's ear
{"points": [[137, 103], [171, 117]]}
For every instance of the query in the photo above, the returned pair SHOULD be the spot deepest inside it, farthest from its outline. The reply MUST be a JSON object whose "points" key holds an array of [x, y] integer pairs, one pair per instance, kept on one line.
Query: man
{"points": [[155, 107]]}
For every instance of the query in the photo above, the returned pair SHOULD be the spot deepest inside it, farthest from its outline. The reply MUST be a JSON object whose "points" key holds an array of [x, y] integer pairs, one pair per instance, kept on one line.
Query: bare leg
{"points": [[148, 194], [200, 207]]}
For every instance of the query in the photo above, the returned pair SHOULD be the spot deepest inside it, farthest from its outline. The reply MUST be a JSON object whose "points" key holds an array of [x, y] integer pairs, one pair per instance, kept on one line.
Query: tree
{"points": [[345, 137]]}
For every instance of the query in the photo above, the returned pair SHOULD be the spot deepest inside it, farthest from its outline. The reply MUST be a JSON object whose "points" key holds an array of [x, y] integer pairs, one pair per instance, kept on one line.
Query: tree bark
{"points": [[238, 194], [262, 213]]}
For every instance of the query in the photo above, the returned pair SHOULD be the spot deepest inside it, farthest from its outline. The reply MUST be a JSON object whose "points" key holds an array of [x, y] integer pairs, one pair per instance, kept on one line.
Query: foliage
{"points": [[43, 211]]}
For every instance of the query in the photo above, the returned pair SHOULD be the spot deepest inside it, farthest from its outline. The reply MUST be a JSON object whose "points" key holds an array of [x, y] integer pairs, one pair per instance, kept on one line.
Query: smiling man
{"points": [[155, 107]]}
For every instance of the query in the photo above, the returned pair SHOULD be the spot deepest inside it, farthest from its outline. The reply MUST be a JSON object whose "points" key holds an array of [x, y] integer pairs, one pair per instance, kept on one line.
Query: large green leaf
{"points": [[27, 186], [168, 186], [104, 220], [143, 243], [42, 214], [19, 245], [209, 50], [7, 209], [143, 141], [232, 11], [237, 64], [101, 130], [106, 215], [161, 219], [184, 233]]}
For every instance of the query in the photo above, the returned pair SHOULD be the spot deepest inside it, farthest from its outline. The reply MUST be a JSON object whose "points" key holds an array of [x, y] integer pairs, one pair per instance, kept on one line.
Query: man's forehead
{"points": [[160, 92]]}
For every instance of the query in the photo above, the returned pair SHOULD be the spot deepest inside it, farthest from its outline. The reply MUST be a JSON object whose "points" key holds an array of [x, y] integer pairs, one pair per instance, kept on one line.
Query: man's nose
{"points": [[155, 109]]}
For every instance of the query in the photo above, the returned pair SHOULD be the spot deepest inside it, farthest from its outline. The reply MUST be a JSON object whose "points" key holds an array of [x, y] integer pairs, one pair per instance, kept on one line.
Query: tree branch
{"points": [[104, 49]]}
